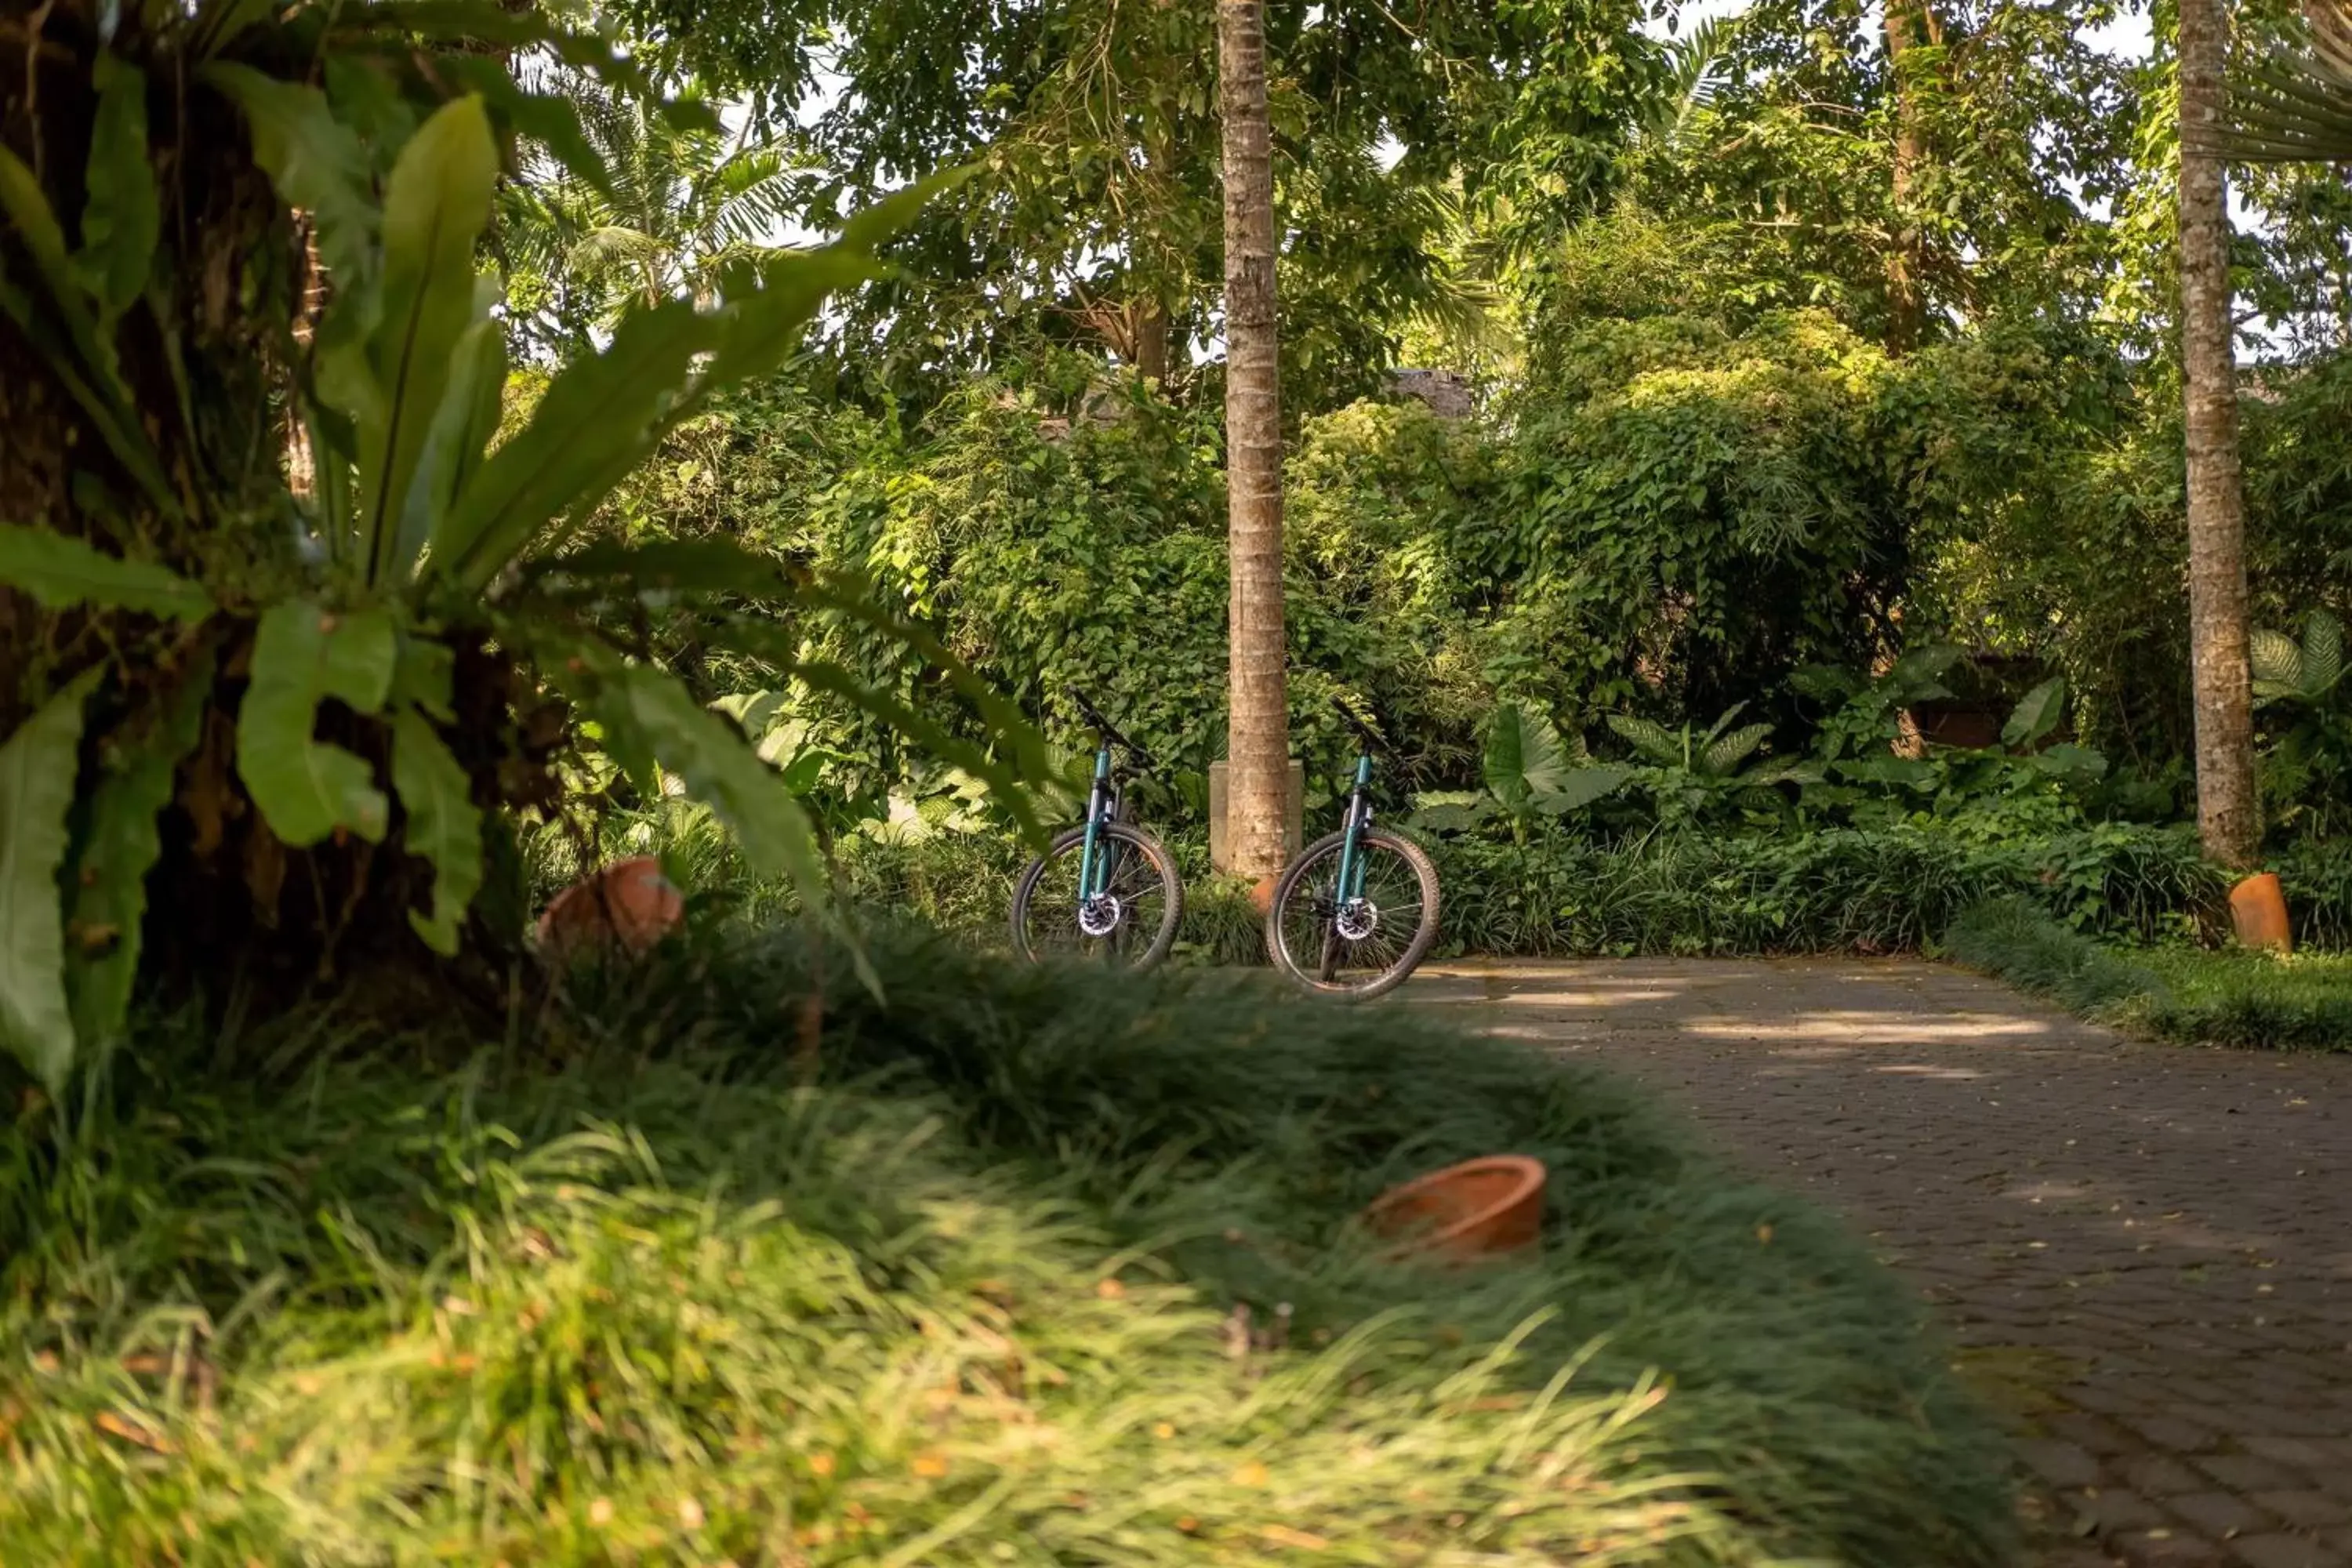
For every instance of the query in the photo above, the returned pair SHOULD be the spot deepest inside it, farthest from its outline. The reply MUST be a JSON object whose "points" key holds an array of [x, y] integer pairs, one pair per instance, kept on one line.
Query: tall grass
{"points": [[627, 1285]]}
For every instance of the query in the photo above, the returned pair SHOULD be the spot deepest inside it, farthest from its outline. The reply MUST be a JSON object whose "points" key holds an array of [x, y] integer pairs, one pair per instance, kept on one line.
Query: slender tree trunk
{"points": [[2229, 807], [1909, 23], [1151, 342], [1259, 731]]}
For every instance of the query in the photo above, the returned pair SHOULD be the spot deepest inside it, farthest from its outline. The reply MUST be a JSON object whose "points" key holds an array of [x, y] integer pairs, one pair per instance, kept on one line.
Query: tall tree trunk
{"points": [[1909, 23], [1259, 731], [2228, 808]]}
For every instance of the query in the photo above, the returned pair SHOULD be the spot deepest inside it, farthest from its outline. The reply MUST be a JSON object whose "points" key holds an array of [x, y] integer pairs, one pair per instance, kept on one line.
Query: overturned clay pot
{"points": [[1479, 1209], [622, 910]]}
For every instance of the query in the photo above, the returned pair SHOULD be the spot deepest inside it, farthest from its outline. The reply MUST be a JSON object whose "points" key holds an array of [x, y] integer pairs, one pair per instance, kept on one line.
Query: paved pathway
{"points": [[2144, 1252]]}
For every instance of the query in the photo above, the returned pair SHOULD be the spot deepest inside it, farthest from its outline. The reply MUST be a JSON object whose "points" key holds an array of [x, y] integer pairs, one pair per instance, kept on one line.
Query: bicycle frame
{"points": [[1099, 862], [1351, 886]]}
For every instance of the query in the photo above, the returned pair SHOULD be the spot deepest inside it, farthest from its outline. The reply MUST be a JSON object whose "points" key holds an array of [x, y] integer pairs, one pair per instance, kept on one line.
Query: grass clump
{"points": [[1006, 1282], [2188, 996]]}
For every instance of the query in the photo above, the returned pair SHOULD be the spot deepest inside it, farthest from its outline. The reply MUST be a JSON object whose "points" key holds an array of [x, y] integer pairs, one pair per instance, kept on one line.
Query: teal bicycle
{"points": [[1357, 912], [1106, 888]]}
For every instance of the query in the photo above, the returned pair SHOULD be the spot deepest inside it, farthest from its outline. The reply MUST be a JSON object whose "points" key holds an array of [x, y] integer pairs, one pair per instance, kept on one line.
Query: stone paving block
{"points": [[2219, 1513], [2248, 1472], [2058, 1463], [2304, 1509], [2163, 1548], [2161, 1475], [2278, 1551], [2113, 1508]]}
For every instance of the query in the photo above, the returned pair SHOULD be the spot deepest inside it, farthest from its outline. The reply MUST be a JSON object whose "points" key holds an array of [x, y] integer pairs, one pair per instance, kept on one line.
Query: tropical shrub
{"points": [[297, 693]]}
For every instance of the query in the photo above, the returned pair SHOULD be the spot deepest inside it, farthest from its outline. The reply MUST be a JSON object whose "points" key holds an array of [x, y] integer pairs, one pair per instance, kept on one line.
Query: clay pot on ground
{"points": [[1479, 1209], [2258, 910], [622, 910]]}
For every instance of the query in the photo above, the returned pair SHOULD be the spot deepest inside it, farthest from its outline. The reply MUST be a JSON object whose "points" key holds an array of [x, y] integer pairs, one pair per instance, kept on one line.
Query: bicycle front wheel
{"points": [[1360, 942], [1130, 922]]}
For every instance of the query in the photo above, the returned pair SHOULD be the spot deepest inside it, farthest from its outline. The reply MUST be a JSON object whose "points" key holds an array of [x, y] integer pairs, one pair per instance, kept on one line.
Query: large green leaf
{"points": [[302, 656], [1724, 753], [443, 826], [2323, 653], [36, 790], [434, 207], [597, 421], [62, 327], [2277, 664], [1524, 756], [122, 214], [119, 848], [650, 708], [63, 572], [1652, 739], [317, 164], [2036, 715], [456, 444], [1580, 787]]}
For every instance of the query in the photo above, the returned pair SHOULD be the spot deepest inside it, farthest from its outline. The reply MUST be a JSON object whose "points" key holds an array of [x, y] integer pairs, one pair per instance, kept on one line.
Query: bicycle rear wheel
{"points": [[1364, 946], [1131, 923]]}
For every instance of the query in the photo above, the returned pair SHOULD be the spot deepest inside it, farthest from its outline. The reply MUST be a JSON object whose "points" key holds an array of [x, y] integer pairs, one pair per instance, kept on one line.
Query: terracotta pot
{"points": [[1477, 1209], [625, 909], [2258, 908], [1261, 894]]}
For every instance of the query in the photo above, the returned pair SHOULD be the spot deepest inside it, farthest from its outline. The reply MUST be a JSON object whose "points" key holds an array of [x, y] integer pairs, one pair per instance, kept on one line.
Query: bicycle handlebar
{"points": [[1364, 731], [1109, 731]]}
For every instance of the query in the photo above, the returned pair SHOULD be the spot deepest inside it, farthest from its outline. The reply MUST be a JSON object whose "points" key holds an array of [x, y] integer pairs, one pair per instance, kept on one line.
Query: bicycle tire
{"points": [[1165, 881], [1296, 885]]}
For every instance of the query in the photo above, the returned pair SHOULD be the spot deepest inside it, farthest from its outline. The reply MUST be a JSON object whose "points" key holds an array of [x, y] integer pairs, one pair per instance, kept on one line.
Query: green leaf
{"points": [[712, 565], [1724, 755], [454, 447], [719, 769], [2072, 764], [1650, 740], [1580, 787], [123, 215], [1524, 758], [119, 847], [424, 675], [63, 572], [302, 656], [2323, 653], [68, 336], [2277, 664], [434, 207], [317, 164], [37, 765], [597, 422], [443, 826], [2036, 715]]}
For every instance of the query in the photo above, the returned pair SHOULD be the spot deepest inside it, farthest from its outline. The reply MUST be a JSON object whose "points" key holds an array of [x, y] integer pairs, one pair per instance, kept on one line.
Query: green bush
{"points": [[1842, 891], [2194, 996], [625, 1288]]}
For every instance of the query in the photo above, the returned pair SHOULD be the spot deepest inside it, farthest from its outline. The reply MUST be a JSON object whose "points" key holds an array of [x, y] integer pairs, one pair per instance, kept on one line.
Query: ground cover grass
{"points": [[1026, 1266], [2226, 996]]}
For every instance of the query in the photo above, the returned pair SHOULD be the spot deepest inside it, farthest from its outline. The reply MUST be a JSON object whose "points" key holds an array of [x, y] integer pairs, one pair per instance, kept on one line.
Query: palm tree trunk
{"points": [[2228, 808], [1258, 727]]}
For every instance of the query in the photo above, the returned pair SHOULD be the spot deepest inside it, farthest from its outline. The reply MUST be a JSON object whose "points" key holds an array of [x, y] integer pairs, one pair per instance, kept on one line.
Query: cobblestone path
{"points": [[2144, 1252]]}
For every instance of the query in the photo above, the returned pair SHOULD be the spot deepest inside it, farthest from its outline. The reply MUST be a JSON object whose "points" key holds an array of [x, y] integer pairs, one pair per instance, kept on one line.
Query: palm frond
{"points": [[2293, 102]]}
